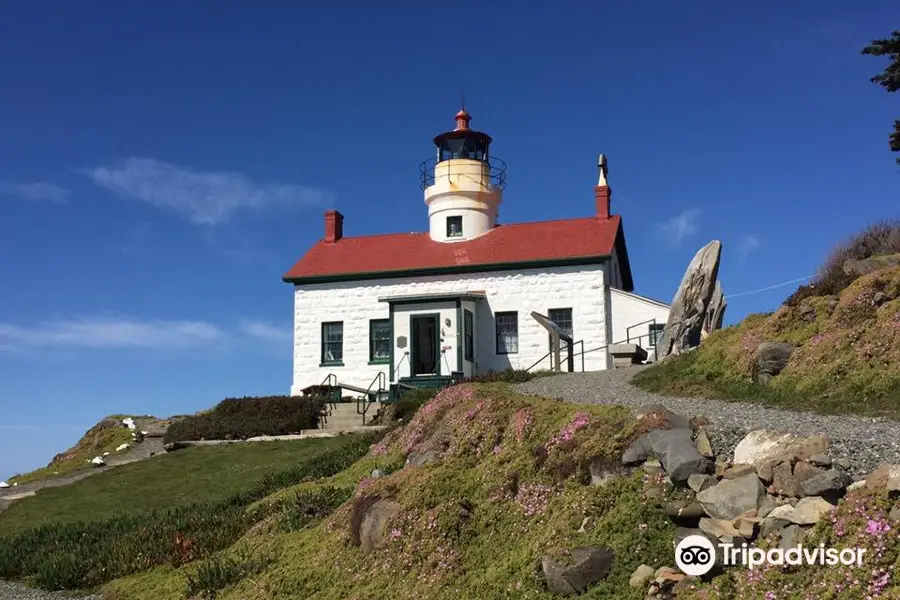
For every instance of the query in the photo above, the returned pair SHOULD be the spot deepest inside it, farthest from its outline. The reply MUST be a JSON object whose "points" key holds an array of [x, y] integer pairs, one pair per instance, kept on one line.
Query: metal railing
{"points": [[496, 174], [365, 400], [570, 357], [628, 340]]}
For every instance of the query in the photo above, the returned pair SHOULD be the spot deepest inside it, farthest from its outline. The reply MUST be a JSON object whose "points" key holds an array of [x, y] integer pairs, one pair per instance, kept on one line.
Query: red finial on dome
{"points": [[462, 120]]}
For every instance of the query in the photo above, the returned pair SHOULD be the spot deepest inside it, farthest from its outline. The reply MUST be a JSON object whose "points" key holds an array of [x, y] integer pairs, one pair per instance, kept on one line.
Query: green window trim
{"points": [[564, 320], [506, 327], [332, 344], [379, 341], [468, 336], [654, 330]]}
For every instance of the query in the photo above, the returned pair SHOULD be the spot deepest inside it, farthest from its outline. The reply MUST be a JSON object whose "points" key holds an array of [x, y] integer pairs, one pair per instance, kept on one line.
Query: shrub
{"points": [[86, 554], [241, 418], [878, 239], [221, 571], [507, 376]]}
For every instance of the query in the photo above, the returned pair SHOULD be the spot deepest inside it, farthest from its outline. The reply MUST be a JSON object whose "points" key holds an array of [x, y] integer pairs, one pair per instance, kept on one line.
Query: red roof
{"points": [[544, 241]]}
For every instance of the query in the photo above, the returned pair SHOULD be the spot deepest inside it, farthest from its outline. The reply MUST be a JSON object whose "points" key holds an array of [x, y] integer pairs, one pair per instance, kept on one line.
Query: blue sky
{"points": [[163, 164]]}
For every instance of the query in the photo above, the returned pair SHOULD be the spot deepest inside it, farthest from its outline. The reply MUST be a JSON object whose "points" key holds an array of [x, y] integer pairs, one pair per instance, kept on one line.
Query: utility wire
{"points": [[771, 287]]}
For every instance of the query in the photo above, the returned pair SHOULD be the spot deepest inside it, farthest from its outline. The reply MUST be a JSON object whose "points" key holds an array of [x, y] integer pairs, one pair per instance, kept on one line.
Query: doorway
{"points": [[424, 345]]}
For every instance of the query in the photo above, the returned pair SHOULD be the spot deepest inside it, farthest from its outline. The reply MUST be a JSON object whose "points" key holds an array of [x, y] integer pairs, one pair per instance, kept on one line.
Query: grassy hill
{"points": [[846, 330]]}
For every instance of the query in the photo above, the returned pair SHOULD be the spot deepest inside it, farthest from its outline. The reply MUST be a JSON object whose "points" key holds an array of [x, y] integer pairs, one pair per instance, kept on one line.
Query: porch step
{"points": [[344, 416]]}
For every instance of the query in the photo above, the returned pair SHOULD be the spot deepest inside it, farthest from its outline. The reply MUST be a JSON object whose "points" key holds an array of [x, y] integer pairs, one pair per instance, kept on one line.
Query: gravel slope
{"points": [[14, 591], [865, 441]]}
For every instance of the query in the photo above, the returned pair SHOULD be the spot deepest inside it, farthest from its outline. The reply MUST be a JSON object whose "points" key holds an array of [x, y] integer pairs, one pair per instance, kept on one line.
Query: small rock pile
{"points": [[777, 487]]}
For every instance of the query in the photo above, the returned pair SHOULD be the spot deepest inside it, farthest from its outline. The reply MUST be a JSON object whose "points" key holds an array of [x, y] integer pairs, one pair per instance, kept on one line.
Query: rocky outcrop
{"points": [[715, 312], [732, 497], [771, 359], [584, 567], [858, 268], [373, 523], [688, 312]]}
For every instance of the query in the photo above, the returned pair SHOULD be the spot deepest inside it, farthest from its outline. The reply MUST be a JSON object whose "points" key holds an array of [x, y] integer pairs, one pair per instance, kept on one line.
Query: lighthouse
{"points": [[463, 184]]}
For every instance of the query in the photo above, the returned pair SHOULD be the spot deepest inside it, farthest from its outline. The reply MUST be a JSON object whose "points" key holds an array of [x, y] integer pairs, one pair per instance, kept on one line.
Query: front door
{"points": [[424, 355]]}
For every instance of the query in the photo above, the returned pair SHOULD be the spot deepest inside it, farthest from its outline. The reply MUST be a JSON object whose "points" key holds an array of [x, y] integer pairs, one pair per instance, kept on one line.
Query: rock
{"points": [[894, 515], [767, 505], [738, 471], [685, 510], [765, 471], [121, 447], [3, 485], [675, 450], [771, 359], [747, 526], [603, 471], [98, 461], [588, 566], [373, 526], [662, 417], [820, 460], [791, 537], [885, 476], [703, 446], [641, 576], [804, 471], [856, 485], [843, 463], [827, 483], [763, 445], [783, 480], [715, 311], [652, 467], [721, 467], [858, 268], [418, 459], [809, 510], [129, 423], [721, 528], [731, 497], [667, 576], [689, 306], [377, 474], [700, 481], [771, 525]]}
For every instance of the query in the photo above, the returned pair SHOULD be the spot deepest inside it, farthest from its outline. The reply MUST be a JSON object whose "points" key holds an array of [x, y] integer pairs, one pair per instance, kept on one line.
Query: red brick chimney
{"points": [[602, 193], [602, 196], [334, 226]]}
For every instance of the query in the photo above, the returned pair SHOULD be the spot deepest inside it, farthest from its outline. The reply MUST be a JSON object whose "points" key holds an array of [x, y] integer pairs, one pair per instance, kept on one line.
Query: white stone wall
{"points": [[355, 303], [631, 309]]}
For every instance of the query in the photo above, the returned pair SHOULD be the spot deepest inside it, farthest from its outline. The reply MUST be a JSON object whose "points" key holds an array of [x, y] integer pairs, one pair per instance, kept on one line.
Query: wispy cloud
{"points": [[746, 245], [202, 197], [105, 332], [40, 191], [266, 331], [681, 225]]}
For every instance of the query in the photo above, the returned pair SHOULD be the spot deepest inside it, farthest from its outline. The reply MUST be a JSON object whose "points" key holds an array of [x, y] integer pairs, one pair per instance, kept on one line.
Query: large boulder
{"points": [[732, 497], [689, 307], [771, 359], [762, 445], [676, 452], [830, 483], [586, 567], [809, 510], [373, 525], [661, 417], [885, 476]]}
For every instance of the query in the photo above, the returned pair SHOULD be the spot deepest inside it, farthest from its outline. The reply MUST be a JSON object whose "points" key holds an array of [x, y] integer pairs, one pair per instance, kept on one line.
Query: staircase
{"points": [[343, 416]]}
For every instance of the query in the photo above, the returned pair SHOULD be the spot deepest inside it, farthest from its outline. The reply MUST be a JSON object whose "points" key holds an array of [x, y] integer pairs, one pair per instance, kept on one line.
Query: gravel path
{"points": [[865, 441], [15, 591]]}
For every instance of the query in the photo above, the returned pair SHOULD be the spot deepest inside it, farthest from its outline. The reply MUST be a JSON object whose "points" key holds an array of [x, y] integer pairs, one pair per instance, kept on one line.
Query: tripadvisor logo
{"points": [[695, 555]]}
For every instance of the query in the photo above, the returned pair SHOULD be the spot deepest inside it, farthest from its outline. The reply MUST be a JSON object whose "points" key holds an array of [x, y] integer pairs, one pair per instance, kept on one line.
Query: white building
{"points": [[457, 300]]}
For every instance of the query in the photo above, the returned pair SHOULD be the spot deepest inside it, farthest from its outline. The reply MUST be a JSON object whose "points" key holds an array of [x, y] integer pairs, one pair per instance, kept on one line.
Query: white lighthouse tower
{"points": [[463, 184]]}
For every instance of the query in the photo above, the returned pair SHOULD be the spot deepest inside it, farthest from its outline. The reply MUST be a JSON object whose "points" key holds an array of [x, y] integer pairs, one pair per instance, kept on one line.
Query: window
{"points": [[332, 343], [468, 336], [656, 330], [454, 227], [563, 319], [507, 332], [380, 340]]}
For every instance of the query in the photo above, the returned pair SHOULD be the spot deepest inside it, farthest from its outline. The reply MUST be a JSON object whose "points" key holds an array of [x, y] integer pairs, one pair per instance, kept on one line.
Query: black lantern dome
{"points": [[462, 142]]}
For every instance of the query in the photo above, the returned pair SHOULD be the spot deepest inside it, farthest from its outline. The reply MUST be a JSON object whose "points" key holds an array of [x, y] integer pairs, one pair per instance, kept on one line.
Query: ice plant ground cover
{"points": [[847, 358], [511, 486]]}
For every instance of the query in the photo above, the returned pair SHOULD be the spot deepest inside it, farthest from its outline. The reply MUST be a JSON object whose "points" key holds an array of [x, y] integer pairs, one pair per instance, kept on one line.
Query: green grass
{"points": [[847, 358], [512, 486], [203, 474]]}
